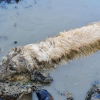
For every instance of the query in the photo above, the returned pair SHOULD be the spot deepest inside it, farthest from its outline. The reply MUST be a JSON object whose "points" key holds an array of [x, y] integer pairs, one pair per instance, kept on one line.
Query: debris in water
{"points": [[1, 50], [69, 95], [9, 1], [15, 42], [15, 90], [16, 7]]}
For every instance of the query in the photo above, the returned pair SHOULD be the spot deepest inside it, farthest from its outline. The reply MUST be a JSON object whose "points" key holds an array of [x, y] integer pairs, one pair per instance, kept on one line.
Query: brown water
{"points": [[28, 22]]}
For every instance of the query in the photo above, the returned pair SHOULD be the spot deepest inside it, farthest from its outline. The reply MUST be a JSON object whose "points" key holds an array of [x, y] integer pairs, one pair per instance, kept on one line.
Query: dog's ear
{"points": [[13, 52], [4, 60], [17, 49]]}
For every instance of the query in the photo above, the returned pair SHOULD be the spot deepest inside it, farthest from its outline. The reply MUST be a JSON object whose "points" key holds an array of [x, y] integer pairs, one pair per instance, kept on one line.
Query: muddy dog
{"points": [[52, 51]]}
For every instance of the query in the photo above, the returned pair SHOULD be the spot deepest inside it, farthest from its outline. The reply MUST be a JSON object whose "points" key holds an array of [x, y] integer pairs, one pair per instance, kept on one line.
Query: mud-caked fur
{"points": [[50, 52]]}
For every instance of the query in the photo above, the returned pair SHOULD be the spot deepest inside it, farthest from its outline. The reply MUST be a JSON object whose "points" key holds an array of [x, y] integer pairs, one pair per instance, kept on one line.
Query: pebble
{"points": [[44, 95], [68, 95], [15, 42]]}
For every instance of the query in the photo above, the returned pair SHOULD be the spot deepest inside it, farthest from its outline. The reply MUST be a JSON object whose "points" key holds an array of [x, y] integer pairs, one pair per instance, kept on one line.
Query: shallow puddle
{"points": [[31, 21]]}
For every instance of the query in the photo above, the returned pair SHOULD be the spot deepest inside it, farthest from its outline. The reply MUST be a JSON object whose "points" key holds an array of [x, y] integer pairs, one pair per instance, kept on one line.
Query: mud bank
{"points": [[28, 22]]}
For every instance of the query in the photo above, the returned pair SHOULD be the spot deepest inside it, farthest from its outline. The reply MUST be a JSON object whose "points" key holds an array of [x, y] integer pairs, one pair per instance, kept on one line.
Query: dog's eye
{"points": [[12, 69]]}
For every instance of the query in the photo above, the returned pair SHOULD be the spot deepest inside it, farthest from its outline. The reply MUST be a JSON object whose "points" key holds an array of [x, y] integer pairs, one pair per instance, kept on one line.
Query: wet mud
{"points": [[15, 90], [29, 22]]}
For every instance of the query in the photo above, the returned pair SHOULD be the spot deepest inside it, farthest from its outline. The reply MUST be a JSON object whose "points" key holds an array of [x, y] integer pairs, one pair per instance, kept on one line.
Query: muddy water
{"points": [[29, 22]]}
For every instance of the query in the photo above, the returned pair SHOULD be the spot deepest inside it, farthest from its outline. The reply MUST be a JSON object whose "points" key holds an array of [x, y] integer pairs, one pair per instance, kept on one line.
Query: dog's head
{"points": [[13, 65]]}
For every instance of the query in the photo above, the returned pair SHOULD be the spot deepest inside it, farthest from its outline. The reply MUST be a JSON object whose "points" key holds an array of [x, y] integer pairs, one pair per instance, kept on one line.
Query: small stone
{"points": [[68, 95], [15, 42], [16, 7]]}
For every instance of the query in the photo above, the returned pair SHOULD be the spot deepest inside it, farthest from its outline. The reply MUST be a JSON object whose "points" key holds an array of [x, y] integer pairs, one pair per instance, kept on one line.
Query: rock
{"points": [[93, 93], [41, 77], [96, 96], [13, 90], [44, 95], [69, 95], [9, 1]]}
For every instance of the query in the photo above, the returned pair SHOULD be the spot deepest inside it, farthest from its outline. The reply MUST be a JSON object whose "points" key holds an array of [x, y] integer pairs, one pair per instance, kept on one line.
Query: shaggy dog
{"points": [[50, 52]]}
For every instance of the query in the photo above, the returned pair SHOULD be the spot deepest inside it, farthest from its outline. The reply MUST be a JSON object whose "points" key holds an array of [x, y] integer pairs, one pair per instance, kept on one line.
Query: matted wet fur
{"points": [[50, 52]]}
